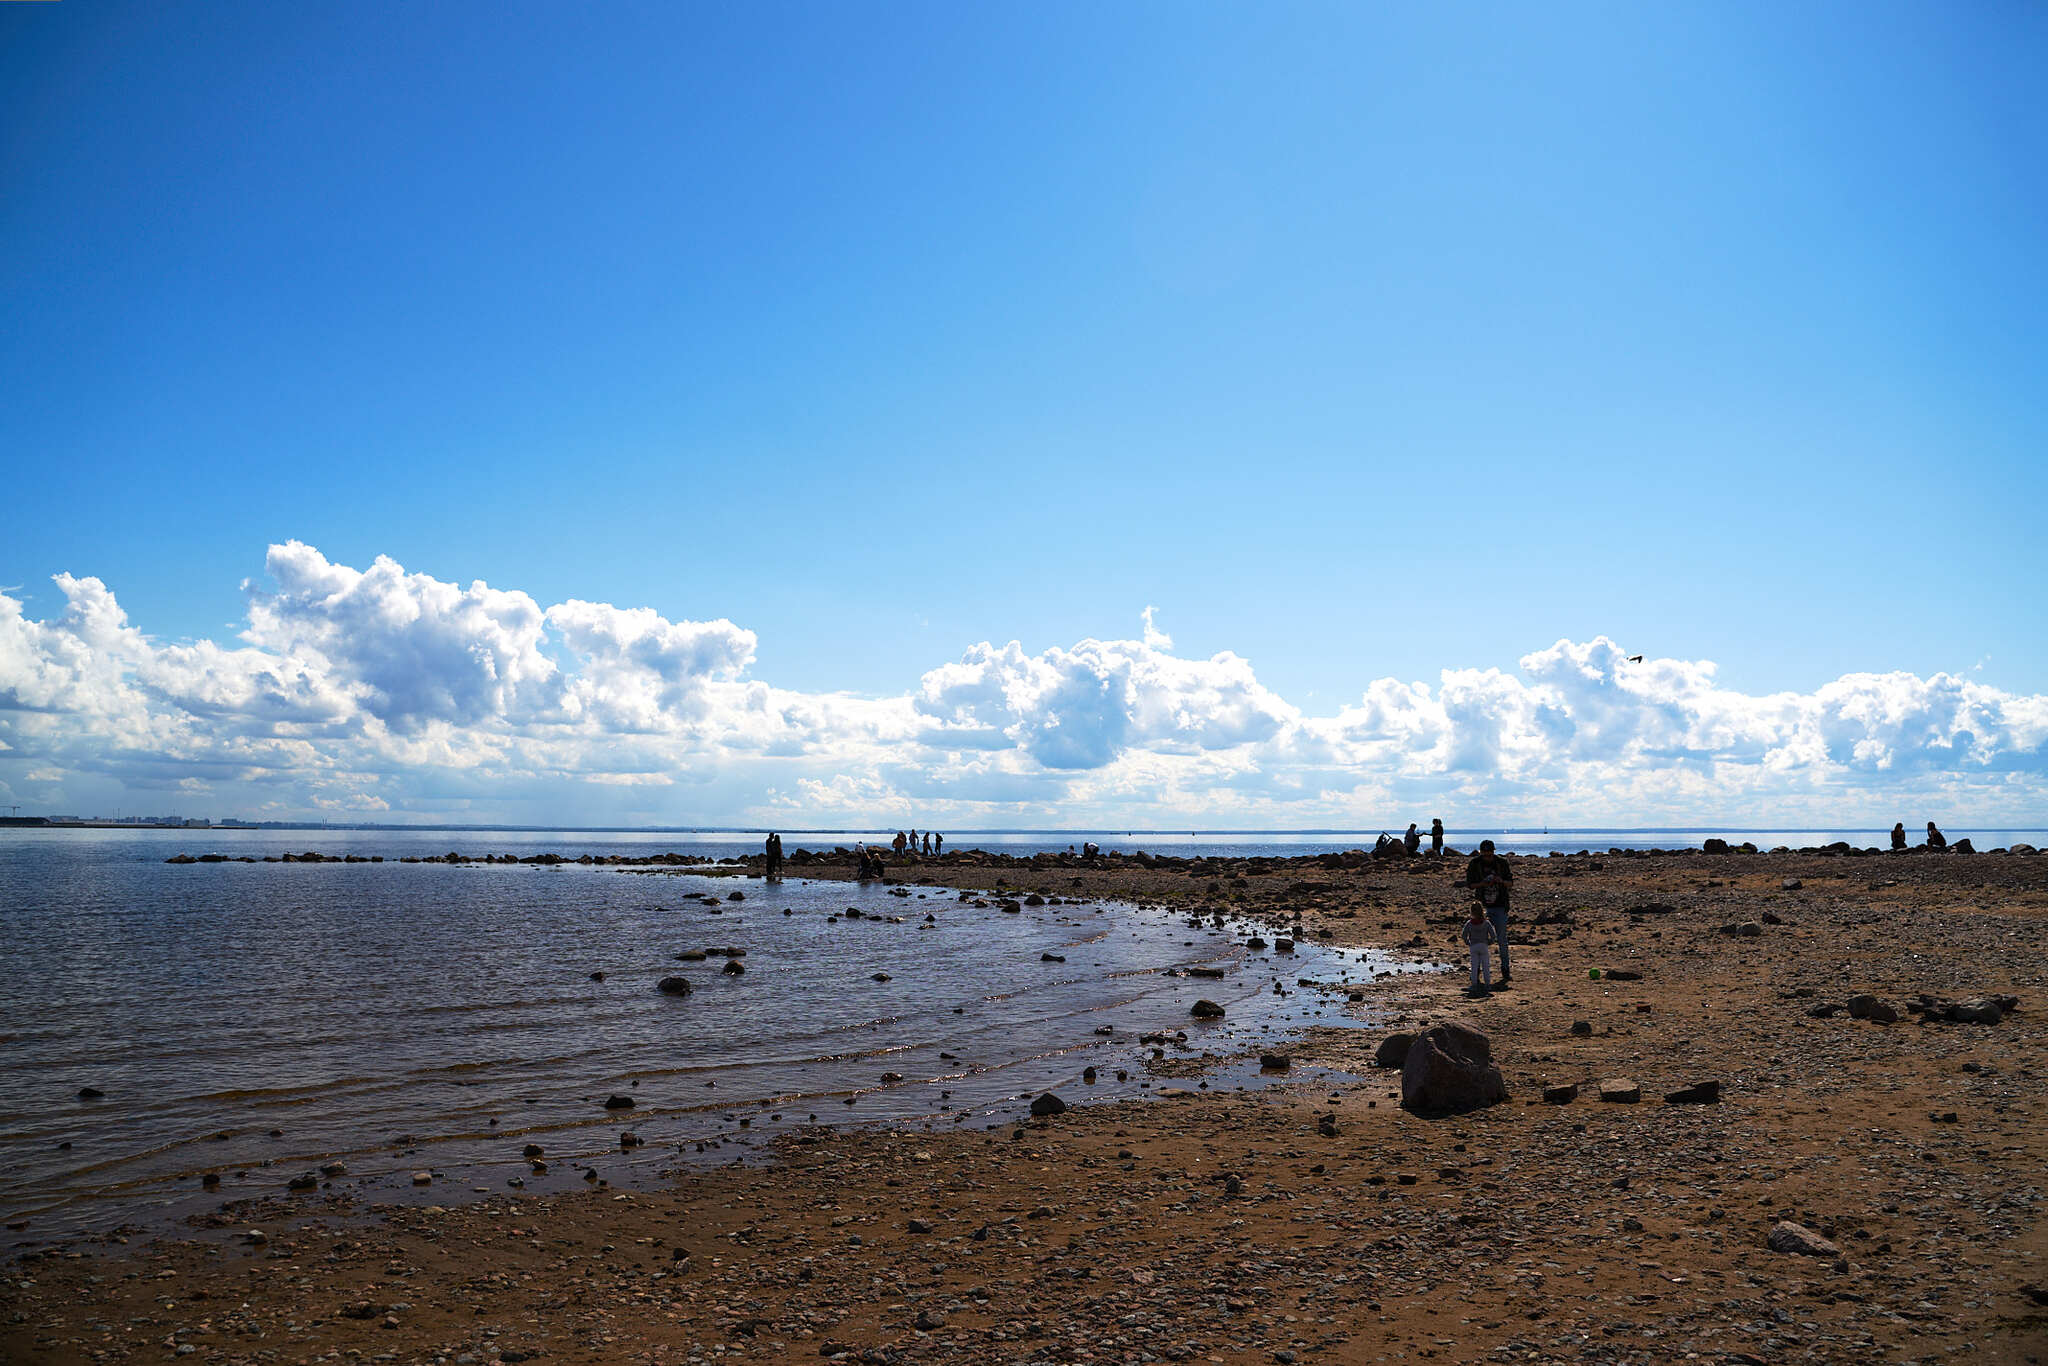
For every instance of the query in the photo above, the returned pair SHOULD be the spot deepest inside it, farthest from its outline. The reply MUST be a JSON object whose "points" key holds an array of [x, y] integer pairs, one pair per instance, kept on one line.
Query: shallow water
{"points": [[258, 1020]]}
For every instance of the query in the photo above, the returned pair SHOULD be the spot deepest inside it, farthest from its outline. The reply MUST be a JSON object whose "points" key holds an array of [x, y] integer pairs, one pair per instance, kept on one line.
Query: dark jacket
{"points": [[1491, 866]]}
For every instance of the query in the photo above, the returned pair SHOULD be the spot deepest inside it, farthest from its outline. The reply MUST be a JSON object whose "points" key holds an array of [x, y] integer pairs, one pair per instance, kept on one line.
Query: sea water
{"points": [[256, 1021]]}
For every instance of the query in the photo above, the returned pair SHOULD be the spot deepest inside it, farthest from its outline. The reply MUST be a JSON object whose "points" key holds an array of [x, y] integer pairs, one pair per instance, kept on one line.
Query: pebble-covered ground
{"points": [[1304, 1222]]}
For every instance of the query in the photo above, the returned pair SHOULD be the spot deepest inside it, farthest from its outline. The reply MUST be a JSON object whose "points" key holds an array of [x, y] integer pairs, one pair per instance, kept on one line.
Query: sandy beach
{"points": [[1307, 1221]]}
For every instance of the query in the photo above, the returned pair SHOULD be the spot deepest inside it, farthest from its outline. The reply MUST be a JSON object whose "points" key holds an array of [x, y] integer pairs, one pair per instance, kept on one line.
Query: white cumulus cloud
{"points": [[383, 690]]}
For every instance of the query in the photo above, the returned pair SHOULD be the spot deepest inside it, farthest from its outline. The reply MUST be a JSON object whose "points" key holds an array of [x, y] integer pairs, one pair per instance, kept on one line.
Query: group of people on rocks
{"points": [[1935, 839], [933, 844], [1410, 844]]}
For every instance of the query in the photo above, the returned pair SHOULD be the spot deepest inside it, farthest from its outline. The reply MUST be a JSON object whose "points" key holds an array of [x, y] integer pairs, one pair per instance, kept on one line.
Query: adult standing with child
{"points": [[1492, 881]]}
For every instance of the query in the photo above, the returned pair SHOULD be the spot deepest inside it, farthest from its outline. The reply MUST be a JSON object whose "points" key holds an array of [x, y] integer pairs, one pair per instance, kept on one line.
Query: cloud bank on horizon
{"points": [[384, 693]]}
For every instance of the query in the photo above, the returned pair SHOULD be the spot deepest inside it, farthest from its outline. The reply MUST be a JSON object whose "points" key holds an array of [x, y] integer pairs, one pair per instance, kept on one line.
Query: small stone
{"points": [[1206, 1009], [422, 1178], [1048, 1104], [1393, 1050], [618, 1102], [1868, 1007], [1582, 1029], [1561, 1095], [675, 986], [1621, 1090], [1786, 1236], [1699, 1093]]}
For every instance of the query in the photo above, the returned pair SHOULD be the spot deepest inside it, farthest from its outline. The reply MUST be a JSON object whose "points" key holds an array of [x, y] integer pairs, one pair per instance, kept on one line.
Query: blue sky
{"points": [[1362, 342]]}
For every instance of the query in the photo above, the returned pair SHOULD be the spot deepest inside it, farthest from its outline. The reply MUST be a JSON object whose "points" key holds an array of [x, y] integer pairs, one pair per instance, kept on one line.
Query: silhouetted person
{"points": [[1934, 837], [898, 843], [1899, 835], [1412, 841], [913, 839], [927, 843], [1436, 837], [774, 868], [1491, 881], [1089, 850], [938, 844]]}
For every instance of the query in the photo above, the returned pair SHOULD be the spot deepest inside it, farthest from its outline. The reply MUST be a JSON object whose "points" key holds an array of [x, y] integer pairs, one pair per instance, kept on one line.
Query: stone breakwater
{"points": [[830, 860]]}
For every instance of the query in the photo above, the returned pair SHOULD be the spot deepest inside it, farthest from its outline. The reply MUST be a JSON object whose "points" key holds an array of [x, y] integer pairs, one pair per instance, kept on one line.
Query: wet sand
{"points": [[1225, 1226]]}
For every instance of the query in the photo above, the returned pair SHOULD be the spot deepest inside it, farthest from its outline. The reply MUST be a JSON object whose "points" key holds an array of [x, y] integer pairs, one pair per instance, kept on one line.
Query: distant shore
{"points": [[1874, 1089]]}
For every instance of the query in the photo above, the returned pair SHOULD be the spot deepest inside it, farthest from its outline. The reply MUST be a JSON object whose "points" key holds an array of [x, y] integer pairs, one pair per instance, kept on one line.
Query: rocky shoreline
{"points": [[1754, 1107]]}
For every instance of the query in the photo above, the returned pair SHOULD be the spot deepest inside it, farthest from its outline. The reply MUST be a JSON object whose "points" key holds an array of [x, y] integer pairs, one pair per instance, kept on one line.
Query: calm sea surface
{"points": [[256, 1021]]}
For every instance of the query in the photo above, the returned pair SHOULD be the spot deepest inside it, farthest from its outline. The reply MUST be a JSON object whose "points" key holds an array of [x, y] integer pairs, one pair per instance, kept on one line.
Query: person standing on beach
{"points": [[1478, 934], [1436, 838], [898, 843], [1899, 836], [927, 844], [938, 844], [1491, 881], [774, 866]]}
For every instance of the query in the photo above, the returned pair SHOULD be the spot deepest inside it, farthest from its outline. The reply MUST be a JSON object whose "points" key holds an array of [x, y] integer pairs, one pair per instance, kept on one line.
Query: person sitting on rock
{"points": [[1935, 840], [1478, 934], [1491, 881], [1899, 835]]}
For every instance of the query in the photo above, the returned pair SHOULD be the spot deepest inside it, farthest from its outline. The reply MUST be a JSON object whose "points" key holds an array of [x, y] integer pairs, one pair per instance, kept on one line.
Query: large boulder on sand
{"points": [[1450, 1068]]}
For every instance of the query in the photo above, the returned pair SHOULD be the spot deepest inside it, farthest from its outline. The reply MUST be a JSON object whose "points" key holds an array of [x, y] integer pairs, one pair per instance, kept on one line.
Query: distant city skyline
{"points": [[1067, 415]]}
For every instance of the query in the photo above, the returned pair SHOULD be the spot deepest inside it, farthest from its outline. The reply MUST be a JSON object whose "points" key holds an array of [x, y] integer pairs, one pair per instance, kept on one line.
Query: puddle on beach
{"points": [[408, 1018]]}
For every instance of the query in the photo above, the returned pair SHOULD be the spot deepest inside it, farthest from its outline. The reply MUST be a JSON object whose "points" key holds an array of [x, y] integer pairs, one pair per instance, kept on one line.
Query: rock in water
{"points": [[1048, 1104], [618, 1102], [1786, 1236], [675, 986], [1449, 1068], [1206, 1009], [1393, 1050]]}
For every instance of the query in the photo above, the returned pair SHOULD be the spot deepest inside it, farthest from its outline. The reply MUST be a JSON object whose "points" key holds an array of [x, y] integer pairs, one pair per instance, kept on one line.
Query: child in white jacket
{"points": [[1478, 936]]}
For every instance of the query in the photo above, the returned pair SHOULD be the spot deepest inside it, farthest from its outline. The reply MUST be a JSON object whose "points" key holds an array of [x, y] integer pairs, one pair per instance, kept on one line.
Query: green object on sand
{"points": [[1594, 973]]}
